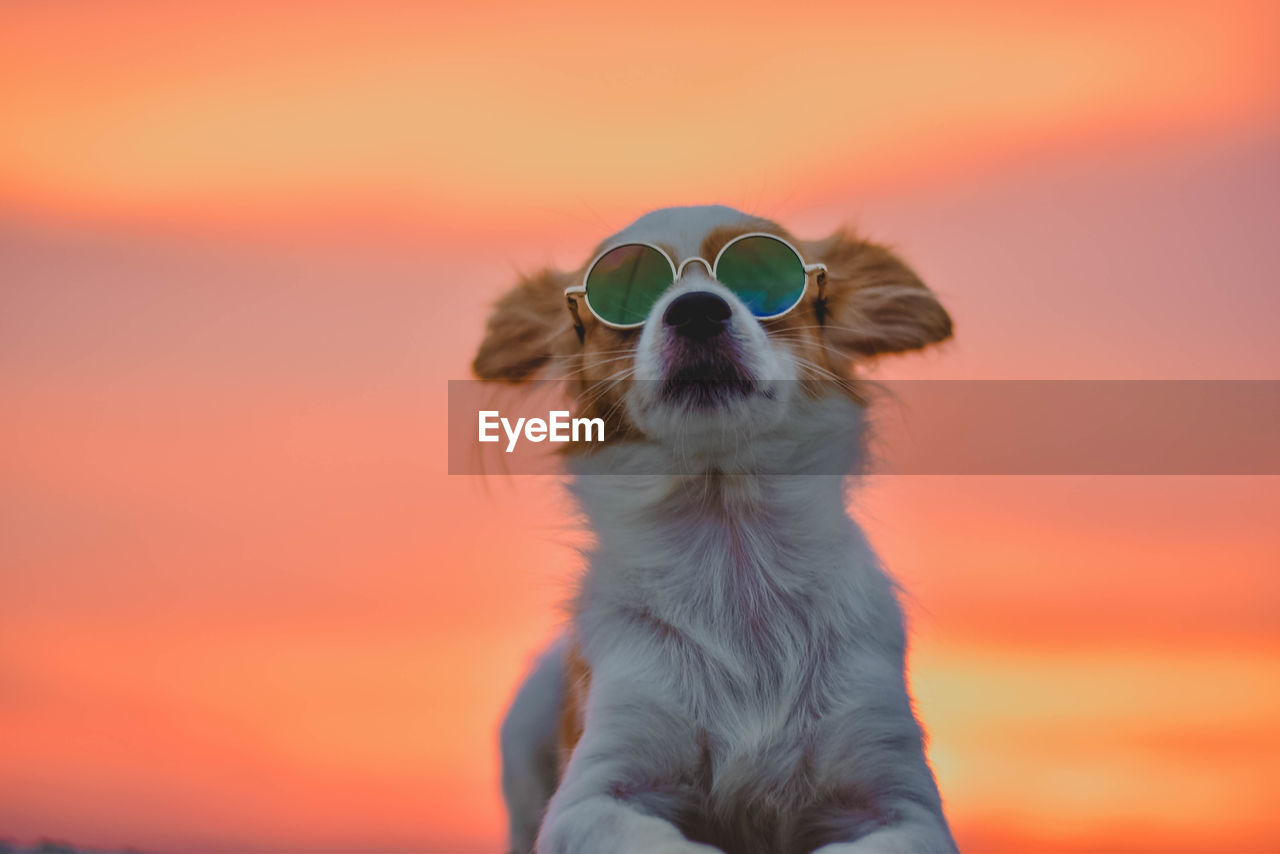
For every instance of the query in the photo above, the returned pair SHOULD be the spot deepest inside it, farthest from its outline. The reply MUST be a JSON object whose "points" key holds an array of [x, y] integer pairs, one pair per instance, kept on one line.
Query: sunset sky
{"points": [[244, 246]]}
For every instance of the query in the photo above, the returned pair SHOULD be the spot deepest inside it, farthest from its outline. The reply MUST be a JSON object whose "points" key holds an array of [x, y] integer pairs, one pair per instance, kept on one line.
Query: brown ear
{"points": [[875, 303], [527, 327]]}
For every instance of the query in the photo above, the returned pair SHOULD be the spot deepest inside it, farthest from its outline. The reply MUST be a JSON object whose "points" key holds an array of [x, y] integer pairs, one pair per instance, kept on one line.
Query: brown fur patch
{"points": [[527, 327], [572, 714], [875, 303], [717, 238]]}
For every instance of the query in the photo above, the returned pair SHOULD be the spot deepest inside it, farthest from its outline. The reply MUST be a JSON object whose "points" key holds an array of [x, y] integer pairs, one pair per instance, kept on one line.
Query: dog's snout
{"points": [[698, 315]]}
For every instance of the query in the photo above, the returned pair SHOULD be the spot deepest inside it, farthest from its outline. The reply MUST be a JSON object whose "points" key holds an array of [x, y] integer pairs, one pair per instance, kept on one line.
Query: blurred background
{"points": [[243, 246]]}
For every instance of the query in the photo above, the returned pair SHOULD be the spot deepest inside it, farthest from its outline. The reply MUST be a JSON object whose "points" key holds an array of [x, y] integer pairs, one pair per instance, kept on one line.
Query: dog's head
{"points": [[699, 365]]}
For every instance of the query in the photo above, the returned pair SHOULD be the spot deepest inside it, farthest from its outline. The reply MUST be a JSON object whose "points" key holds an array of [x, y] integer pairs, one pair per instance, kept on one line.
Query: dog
{"points": [[731, 678]]}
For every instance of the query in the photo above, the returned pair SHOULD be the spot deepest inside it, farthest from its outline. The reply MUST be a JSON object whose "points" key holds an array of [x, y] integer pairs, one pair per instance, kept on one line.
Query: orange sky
{"points": [[452, 111], [245, 245]]}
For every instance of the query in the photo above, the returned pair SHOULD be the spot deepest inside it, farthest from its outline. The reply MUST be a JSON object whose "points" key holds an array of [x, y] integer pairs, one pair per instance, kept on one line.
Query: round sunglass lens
{"points": [[625, 282], [765, 273]]}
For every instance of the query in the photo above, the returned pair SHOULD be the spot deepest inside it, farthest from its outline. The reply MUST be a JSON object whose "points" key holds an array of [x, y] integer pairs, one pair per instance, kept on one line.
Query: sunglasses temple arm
{"points": [[820, 303], [571, 301]]}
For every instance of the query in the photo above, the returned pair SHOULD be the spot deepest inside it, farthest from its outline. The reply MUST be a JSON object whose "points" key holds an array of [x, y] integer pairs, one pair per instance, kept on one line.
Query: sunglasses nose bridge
{"points": [[696, 259]]}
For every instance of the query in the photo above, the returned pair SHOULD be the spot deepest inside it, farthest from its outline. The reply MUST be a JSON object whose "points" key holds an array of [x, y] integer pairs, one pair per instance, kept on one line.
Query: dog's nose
{"points": [[698, 315]]}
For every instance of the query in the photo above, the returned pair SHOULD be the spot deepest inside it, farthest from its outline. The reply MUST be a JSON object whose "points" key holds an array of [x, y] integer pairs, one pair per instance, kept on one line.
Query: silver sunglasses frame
{"points": [[572, 293]]}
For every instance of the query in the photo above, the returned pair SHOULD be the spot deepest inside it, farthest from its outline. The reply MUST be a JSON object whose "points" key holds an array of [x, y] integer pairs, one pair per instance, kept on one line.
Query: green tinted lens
{"points": [[765, 273], [626, 282]]}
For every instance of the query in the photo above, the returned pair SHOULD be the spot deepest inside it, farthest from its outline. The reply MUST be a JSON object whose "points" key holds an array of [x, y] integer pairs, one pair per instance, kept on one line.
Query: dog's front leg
{"points": [[872, 754], [628, 777]]}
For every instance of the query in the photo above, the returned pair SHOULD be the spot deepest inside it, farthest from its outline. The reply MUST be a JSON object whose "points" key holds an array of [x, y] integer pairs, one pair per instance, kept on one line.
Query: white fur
{"points": [[682, 229], [529, 750], [746, 649]]}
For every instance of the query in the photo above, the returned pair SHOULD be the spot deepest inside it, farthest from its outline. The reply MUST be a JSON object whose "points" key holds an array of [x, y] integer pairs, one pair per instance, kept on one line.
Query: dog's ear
{"points": [[527, 328], [875, 303]]}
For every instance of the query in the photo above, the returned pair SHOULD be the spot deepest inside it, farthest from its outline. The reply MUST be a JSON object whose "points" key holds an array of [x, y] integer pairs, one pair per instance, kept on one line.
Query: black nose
{"points": [[698, 315]]}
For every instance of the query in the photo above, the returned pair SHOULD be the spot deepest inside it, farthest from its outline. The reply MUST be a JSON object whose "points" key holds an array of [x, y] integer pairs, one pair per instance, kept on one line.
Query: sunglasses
{"points": [[623, 283]]}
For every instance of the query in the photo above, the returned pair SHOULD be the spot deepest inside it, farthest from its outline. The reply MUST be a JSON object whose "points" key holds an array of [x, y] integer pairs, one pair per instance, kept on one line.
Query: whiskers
{"points": [[590, 396], [573, 365], [810, 369]]}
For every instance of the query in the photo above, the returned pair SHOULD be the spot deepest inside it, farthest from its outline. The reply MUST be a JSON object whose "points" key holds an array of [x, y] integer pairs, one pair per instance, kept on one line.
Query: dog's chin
{"points": [[706, 383], [706, 407]]}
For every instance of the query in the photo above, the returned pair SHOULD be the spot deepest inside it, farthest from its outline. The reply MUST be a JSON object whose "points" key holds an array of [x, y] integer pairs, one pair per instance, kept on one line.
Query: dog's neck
{"points": [[714, 547]]}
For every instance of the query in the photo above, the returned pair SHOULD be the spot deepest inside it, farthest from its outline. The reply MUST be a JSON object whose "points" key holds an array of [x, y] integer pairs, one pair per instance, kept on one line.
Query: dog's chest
{"points": [[758, 784], [738, 613], [759, 731]]}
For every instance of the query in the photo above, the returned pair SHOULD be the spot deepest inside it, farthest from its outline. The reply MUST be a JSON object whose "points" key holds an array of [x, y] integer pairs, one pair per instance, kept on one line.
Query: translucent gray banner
{"points": [[954, 427]]}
